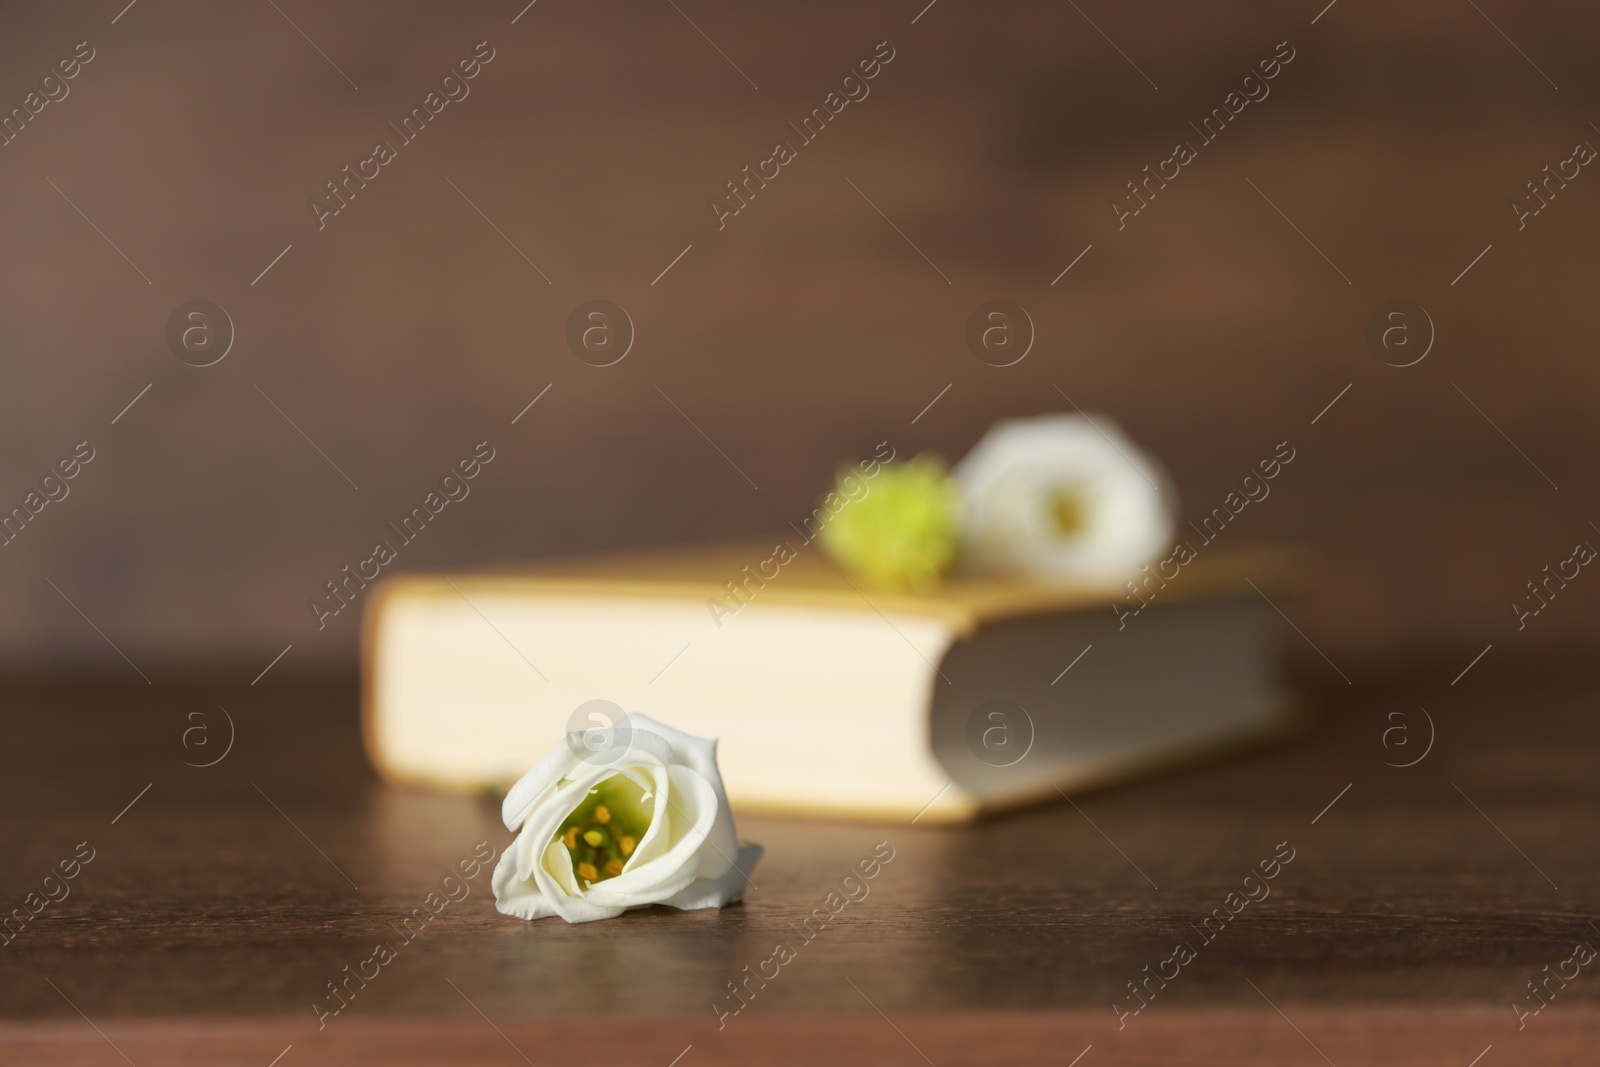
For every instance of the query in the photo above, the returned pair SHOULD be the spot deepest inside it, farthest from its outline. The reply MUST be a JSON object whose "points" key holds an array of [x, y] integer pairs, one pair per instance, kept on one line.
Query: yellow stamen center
{"points": [[604, 830], [1069, 514]]}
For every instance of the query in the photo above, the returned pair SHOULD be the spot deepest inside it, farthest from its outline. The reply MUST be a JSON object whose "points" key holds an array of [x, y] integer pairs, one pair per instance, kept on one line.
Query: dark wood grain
{"points": [[1418, 1037], [207, 916]]}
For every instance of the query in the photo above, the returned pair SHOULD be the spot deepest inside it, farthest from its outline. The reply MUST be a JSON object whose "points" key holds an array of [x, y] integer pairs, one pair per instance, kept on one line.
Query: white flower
{"points": [[645, 821], [1059, 496]]}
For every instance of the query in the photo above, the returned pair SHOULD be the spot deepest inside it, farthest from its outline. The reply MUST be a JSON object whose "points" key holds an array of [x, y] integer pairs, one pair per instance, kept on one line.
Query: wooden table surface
{"points": [[218, 907]]}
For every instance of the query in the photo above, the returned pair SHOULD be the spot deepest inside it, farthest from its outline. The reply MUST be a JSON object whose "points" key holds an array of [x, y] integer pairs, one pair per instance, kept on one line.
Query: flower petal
{"points": [[522, 797], [697, 752], [722, 890], [514, 895], [687, 814], [700, 754]]}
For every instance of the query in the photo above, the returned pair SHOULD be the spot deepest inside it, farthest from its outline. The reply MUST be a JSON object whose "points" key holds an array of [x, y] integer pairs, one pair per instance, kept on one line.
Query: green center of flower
{"points": [[603, 831], [1069, 513]]}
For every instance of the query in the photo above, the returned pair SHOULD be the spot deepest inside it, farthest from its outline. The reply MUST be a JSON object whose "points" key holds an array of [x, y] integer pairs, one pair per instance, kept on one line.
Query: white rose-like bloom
{"points": [[1058, 496], [655, 806]]}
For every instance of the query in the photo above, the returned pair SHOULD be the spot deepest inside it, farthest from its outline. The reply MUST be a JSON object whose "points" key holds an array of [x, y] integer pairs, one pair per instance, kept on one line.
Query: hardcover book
{"points": [[830, 698]]}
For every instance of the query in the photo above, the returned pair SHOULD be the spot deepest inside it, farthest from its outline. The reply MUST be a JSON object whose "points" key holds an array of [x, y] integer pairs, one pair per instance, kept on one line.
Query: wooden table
{"points": [[1419, 903]]}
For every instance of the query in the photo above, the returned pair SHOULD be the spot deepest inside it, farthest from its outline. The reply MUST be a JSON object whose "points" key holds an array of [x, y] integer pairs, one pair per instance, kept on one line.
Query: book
{"points": [[829, 698]]}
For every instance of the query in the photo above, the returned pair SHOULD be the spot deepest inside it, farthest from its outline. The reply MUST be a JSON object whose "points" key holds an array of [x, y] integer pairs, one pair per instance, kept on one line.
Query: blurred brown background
{"points": [[805, 331]]}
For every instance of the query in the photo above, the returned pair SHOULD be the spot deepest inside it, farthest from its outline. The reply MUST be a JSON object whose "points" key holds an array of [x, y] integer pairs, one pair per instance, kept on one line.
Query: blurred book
{"points": [[829, 698]]}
